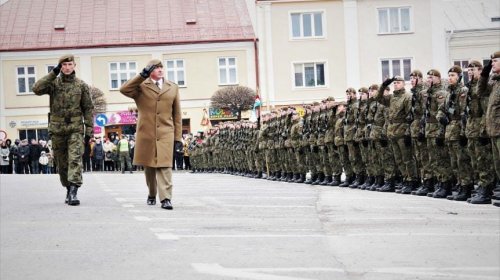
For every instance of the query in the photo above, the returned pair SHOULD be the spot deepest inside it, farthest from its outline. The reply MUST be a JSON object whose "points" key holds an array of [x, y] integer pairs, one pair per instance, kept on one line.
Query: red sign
{"points": [[97, 130], [123, 117]]}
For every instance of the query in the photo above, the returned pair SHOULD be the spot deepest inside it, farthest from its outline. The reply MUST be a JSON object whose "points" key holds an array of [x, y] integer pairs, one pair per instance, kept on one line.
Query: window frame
{"points": [[313, 25], [227, 67], [463, 63], [391, 70], [47, 66], [175, 69], [26, 77], [410, 14], [315, 62], [118, 71]]}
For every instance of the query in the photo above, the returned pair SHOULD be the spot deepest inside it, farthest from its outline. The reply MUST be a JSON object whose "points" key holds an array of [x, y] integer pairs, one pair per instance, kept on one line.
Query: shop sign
{"points": [[222, 114], [34, 123], [123, 117]]}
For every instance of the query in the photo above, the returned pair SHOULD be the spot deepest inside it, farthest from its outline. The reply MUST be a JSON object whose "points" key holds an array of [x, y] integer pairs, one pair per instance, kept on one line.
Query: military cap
{"points": [[475, 63], [434, 72], [315, 103], [66, 58], [455, 68], [363, 90], [350, 90], [156, 62], [416, 73], [330, 98], [495, 55], [374, 87], [399, 78]]}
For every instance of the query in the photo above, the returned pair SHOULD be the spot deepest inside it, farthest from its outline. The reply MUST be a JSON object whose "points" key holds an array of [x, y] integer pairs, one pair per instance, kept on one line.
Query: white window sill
{"points": [[395, 33]]}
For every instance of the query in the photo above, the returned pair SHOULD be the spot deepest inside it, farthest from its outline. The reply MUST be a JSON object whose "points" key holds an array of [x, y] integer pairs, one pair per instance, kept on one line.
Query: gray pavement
{"points": [[231, 227]]}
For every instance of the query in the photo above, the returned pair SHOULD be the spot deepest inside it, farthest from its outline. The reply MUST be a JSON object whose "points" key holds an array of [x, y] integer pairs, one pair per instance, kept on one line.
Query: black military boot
{"points": [[319, 178], [463, 193], [73, 200], [258, 175], [289, 177], [424, 189], [409, 187], [379, 183], [284, 176], [443, 191], [67, 195], [388, 186], [335, 181], [356, 182], [369, 181], [328, 179], [483, 195], [437, 186], [347, 182], [302, 178]]}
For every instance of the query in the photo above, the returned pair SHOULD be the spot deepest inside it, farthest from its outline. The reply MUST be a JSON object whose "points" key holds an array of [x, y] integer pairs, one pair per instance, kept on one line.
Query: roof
{"points": [[471, 14], [59, 24]]}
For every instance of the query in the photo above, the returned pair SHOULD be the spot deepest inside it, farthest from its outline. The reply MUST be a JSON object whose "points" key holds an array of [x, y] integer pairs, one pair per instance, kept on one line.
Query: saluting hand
{"points": [[147, 70]]}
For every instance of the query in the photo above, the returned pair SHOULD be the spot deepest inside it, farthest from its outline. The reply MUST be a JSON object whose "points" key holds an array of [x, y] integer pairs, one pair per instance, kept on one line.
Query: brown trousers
{"points": [[159, 180]]}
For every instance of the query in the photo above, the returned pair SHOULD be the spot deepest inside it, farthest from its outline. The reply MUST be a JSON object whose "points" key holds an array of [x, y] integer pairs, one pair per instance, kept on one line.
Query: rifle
{"points": [[452, 102], [427, 114]]}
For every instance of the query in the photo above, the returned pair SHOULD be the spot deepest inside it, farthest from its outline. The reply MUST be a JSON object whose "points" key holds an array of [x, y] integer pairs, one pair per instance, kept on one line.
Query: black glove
{"points": [[387, 82], [86, 140], [407, 140], [178, 146], [315, 149], [384, 143], [421, 137], [444, 121], [463, 141], [440, 142], [301, 151], [147, 71], [57, 69], [487, 69], [484, 141]]}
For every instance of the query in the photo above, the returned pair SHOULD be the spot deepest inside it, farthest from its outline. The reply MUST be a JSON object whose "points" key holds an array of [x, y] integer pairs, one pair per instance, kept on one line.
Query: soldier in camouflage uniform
{"points": [[360, 136], [313, 162], [478, 143], [439, 158], [323, 167], [333, 165], [341, 145], [398, 131], [349, 134], [296, 132], [70, 123], [450, 116], [489, 87]]}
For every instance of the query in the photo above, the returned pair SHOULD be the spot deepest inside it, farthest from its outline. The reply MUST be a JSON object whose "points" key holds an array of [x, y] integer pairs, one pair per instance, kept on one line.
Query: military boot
{"points": [[360, 179], [73, 200], [302, 178], [369, 181], [335, 181], [347, 182], [424, 189], [409, 187], [379, 183], [284, 176], [319, 178], [388, 186], [328, 179], [437, 186], [289, 177], [483, 195], [463, 193], [67, 195], [443, 191]]}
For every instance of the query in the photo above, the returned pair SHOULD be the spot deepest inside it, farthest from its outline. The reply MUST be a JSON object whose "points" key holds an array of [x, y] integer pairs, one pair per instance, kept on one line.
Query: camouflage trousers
{"points": [[422, 158], [271, 160], [383, 160], [312, 158], [495, 142], [258, 160], [322, 159], [464, 172], [282, 159], [355, 158], [68, 151], [344, 159], [481, 160], [333, 166], [300, 160], [439, 160], [365, 155], [403, 156]]}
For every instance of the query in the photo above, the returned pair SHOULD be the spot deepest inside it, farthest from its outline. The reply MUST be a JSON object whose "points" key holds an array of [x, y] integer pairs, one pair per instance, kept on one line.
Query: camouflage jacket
{"points": [[350, 120], [70, 101], [453, 107], [433, 129], [418, 108], [476, 116], [491, 88], [399, 104]]}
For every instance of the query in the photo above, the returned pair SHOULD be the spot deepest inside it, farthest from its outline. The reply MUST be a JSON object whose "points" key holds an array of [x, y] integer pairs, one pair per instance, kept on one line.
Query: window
{"points": [[396, 67], [176, 72], [50, 67], [120, 72], [25, 79], [394, 20], [307, 25], [38, 134], [463, 64], [309, 74], [227, 71]]}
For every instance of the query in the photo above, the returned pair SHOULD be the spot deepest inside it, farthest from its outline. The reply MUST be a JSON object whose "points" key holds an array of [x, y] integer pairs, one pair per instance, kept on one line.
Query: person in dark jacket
{"points": [[98, 153], [23, 154], [35, 152]]}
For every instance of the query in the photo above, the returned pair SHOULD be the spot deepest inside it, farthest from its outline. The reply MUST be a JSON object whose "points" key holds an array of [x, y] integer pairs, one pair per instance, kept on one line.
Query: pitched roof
{"points": [[58, 24]]}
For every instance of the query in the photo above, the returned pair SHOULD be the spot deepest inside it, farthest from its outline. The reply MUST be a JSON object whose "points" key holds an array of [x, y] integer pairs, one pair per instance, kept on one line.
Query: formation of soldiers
{"points": [[437, 140]]}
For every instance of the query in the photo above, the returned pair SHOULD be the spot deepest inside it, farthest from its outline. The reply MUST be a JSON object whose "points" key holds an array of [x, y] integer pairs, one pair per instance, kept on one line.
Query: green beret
{"points": [[66, 58], [416, 73], [434, 72], [350, 90], [475, 63], [399, 78], [363, 90], [374, 87], [456, 69], [495, 55]]}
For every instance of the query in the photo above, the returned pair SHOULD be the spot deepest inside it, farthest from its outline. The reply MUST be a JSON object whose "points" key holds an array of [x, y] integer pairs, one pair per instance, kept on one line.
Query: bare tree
{"points": [[235, 98], [98, 99]]}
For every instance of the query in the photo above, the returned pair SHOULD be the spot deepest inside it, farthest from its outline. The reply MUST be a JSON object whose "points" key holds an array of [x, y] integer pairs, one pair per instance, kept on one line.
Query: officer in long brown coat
{"points": [[159, 128]]}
